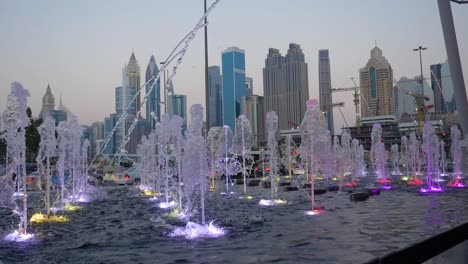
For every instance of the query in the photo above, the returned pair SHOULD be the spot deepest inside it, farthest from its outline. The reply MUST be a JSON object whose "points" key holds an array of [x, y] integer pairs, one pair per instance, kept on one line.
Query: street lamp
{"points": [[420, 49]]}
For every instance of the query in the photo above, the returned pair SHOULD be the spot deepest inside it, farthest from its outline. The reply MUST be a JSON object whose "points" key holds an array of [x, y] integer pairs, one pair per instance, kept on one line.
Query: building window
{"points": [[373, 84]]}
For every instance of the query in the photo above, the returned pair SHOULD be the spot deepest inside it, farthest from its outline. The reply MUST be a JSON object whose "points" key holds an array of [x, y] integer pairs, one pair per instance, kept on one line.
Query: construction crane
{"points": [[356, 103], [356, 100]]}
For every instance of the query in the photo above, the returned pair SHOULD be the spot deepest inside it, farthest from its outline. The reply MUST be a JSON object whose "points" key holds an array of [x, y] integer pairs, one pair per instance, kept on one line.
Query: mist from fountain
{"points": [[47, 150], [314, 140], [379, 155], [456, 152], [395, 159], [224, 156], [242, 142], [431, 151], [14, 123]]}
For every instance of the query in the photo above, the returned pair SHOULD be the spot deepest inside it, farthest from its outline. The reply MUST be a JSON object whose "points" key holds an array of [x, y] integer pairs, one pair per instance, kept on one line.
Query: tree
{"points": [[32, 137]]}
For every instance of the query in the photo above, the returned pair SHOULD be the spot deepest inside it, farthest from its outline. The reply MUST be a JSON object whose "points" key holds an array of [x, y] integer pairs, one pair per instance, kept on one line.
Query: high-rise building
{"points": [[123, 104], [63, 108], [153, 107], [131, 79], [286, 85], [180, 107], [253, 108], [447, 87], [96, 136], [48, 103], [58, 115], [248, 86], [215, 84], [233, 66], [377, 86], [325, 88], [436, 84], [109, 124], [406, 103]]}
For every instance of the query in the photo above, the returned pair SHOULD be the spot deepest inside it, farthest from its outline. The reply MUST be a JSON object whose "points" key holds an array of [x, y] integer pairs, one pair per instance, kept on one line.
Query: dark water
{"points": [[120, 228]]}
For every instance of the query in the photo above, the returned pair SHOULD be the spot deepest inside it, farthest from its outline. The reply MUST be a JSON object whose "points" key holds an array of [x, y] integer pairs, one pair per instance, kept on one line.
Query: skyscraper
{"points": [[95, 137], [447, 87], [325, 88], [131, 79], [48, 103], [233, 63], [215, 84], [406, 103], [286, 86], [253, 108], [180, 107], [109, 124], [248, 86], [154, 97], [436, 84], [123, 103], [377, 86]]}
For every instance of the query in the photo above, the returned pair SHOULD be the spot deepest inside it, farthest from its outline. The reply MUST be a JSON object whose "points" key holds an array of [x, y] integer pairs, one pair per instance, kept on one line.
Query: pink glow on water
{"points": [[386, 187], [314, 212]]}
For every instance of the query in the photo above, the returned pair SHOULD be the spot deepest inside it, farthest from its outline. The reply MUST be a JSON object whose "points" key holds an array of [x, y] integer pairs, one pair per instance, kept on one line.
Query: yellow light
{"points": [[70, 207], [248, 197], [172, 214], [148, 192], [42, 218], [279, 201], [334, 179]]}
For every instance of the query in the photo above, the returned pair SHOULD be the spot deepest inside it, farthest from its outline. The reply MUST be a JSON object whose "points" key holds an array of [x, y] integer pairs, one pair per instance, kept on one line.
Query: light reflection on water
{"points": [[118, 229]]}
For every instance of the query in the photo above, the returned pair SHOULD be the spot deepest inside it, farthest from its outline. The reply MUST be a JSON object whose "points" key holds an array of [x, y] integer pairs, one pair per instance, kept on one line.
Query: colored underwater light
{"points": [[42, 218], [386, 187], [148, 192], [17, 237], [70, 207], [415, 182], [404, 178], [247, 197], [384, 181], [351, 184], [456, 183], [314, 212], [431, 189]]}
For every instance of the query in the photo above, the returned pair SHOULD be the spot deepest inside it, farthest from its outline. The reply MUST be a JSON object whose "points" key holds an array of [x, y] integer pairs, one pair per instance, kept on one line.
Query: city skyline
{"points": [[77, 60]]}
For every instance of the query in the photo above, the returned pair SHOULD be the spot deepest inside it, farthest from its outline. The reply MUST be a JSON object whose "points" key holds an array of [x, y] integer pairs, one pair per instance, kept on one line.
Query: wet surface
{"points": [[125, 227]]}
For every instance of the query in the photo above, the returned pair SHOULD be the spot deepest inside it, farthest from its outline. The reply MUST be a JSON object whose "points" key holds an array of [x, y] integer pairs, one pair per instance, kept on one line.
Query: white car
{"points": [[130, 176]]}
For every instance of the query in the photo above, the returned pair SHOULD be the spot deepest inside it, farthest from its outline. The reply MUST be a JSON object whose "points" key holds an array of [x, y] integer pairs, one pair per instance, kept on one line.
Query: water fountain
{"points": [[456, 152], [314, 140], [346, 147], [404, 157], [47, 150], [242, 142], [224, 157], [431, 149], [443, 159], [194, 176], [213, 141], [165, 144], [395, 159], [414, 160], [15, 120], [177, 141], [358, 161], [379, 155]]}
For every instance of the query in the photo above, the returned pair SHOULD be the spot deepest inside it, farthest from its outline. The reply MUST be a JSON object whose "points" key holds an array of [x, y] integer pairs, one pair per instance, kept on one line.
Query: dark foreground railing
{"points": [[426, 249]]}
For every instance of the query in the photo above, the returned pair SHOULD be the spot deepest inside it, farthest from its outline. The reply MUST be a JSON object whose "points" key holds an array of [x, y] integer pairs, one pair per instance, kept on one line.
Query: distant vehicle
{"points": [[130, 176], [297, 170], [33, 181], [259, 171]]}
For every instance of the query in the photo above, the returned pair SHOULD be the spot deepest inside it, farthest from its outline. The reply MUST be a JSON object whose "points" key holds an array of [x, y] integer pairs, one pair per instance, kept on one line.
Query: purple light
{"points": [[431, 189], [386, 187], [17, 237]]}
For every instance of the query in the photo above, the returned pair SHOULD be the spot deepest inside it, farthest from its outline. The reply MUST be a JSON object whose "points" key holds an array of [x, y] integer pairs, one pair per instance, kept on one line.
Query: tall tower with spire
{"points": [[48, 103], [153, 108], [131, 81]]}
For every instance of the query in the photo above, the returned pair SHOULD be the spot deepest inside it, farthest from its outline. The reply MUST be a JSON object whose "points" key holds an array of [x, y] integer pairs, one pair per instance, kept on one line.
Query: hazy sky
{"points": [[80, 47]]}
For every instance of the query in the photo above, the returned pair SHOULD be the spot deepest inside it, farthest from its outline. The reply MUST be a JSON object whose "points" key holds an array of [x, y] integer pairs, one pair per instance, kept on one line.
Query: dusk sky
{"points": [[80, 47]]}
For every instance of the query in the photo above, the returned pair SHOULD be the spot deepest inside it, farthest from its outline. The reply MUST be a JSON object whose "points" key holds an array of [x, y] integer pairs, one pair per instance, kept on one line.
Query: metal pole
{"points": [[422, 83], [207, 92], [453, 56]]}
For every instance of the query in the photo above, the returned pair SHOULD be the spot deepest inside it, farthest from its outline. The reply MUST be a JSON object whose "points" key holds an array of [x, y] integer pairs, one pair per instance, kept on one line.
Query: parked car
{"points": [[95, 178], [33, 181], [259, 170], [297, 170], [130, 176]]}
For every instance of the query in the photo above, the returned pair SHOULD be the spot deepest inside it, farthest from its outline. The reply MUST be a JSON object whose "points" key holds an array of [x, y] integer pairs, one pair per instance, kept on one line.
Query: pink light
{"points": [[314, 212], [456, 183], [351, 184], [415, 182], [383, 181]]}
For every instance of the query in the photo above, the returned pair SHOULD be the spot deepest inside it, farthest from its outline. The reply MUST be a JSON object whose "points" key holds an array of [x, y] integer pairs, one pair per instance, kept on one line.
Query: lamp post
{"points": [[207, 92], [421, 99]]}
